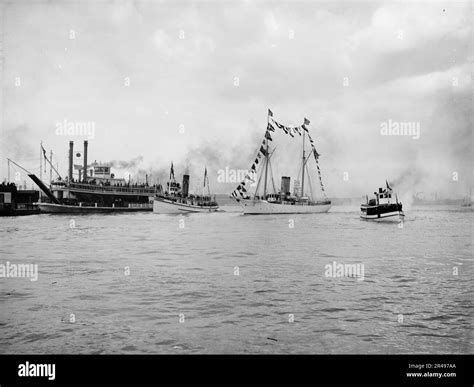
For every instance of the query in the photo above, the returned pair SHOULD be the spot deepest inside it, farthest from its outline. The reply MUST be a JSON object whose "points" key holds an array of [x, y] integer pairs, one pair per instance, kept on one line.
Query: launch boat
{"points": [[283, 201], [177, 200], [382, 207], [96, 189]]}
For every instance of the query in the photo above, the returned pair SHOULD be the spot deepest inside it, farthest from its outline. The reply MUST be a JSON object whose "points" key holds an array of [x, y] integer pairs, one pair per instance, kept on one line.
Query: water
{"points": [[408, 302]]}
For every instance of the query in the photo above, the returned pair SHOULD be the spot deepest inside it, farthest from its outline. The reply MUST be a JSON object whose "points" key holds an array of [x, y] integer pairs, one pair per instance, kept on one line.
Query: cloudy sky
{"points": [[191, 81]]}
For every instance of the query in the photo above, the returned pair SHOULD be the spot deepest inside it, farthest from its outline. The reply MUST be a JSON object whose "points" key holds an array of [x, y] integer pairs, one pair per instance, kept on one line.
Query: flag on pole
{"points": [[306, 121], [205, 176], [267, 136], [270, 113]]}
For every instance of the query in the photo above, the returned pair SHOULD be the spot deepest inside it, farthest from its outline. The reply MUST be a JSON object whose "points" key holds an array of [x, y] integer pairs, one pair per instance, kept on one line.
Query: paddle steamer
{"points": [[96, 189]]}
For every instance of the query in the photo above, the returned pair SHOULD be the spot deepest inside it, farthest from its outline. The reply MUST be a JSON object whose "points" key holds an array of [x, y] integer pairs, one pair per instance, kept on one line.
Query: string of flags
{"points": [[241, 190], [316, 158]]}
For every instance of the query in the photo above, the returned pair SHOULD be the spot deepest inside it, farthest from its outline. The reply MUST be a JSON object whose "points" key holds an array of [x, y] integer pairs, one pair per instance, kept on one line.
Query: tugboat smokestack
{"points": [[185, 185], [71, 155], [84, 174]]}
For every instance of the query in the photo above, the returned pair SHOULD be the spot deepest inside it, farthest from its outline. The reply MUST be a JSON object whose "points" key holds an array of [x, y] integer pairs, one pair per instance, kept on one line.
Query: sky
{"points": [[191, 81]]}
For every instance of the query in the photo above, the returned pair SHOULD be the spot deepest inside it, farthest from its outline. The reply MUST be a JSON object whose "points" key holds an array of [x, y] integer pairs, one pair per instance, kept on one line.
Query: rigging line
{"points": [[50, 164], [258, 186], [309, 182], [19, 166], [271, 175]]}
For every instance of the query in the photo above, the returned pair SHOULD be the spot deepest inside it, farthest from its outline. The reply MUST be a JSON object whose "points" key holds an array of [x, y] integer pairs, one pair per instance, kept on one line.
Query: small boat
{"points": [[284, 201], [177, 200], [382, 207]]}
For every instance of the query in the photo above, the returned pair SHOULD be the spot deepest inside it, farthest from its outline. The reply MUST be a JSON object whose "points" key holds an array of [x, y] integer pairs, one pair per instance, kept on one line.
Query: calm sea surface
{"points": [[183, 294]]}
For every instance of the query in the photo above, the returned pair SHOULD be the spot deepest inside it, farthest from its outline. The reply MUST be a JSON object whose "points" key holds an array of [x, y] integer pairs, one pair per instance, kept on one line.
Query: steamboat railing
{"points": [[112, 188]]}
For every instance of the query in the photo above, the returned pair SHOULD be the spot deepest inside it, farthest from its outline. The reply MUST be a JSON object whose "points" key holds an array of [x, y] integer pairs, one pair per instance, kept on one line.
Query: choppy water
{"points": [[191, 271]]}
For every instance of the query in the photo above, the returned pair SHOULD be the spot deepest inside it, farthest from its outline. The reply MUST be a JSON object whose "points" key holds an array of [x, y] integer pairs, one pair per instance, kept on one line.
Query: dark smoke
{"points": [[122, 164]]}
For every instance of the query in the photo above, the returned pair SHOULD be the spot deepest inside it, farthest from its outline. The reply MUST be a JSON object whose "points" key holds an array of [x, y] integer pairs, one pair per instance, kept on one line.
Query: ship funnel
{"points": [[71, 155], [285, 185], [185, 190], [84, 171]]}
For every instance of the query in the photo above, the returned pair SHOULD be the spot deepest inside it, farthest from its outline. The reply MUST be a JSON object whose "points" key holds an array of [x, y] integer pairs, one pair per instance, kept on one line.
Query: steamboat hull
{"points": [[51, 208], [263, 207], [390, 216], [164, 206]]}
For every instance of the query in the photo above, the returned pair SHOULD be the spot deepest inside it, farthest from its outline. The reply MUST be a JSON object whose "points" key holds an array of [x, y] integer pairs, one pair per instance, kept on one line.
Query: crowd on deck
{"points": [[107, 183], [8, 187]]}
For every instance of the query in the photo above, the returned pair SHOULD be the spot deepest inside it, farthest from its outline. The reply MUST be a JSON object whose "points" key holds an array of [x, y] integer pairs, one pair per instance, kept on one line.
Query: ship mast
{"points": [[266, 161], [302, 169]]}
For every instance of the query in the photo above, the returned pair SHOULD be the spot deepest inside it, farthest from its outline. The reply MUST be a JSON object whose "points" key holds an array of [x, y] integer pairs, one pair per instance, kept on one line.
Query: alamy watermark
{"points": [[229, 175], [37, 370], [19, 270], [395, 128], [72, 128], [336, 270]]}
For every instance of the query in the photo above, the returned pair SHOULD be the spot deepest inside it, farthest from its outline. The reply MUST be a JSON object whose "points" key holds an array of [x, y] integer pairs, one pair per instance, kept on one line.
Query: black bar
{"points": [[243, 369]]}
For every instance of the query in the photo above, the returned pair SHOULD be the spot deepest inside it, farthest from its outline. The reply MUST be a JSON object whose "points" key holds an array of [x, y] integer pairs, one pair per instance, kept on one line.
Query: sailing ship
{"points": [[283, 201], [382, 206], [177, 199], [96, 189]]}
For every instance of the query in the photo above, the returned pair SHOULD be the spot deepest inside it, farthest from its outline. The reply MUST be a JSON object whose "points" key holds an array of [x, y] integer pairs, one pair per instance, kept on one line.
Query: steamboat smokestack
{"points": [[84, 173], [285, 185], [185, 190], [71, 155]]}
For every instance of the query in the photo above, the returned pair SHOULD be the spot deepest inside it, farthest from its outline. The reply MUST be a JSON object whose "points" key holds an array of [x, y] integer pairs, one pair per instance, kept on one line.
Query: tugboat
{"points": [[283, 202], [382, 207], [177, 200]]}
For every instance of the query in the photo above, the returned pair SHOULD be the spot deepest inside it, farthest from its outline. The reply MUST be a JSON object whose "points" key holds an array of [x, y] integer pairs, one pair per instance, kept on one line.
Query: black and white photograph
{"points": [[237, 177]]}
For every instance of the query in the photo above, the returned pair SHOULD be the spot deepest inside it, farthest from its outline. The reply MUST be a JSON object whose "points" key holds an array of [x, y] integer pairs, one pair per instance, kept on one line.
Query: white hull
{"points": [[164, 206], [395, 216], [261, 207]]}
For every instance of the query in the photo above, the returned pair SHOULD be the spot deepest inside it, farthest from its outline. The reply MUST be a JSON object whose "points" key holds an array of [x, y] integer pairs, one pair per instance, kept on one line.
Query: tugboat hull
{"points": [[262, 207], [394, 216], [165, 206], [384, 212]]}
